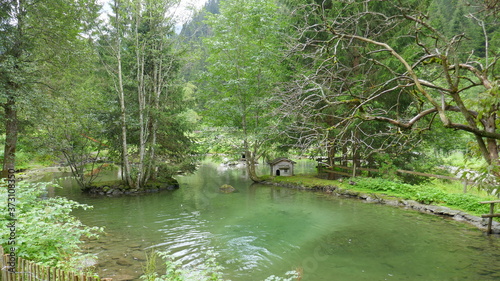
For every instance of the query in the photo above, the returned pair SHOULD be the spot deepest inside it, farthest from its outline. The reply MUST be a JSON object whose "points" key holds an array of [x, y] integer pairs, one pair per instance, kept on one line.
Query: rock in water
{"points": [[87, 263], [226, 188]]}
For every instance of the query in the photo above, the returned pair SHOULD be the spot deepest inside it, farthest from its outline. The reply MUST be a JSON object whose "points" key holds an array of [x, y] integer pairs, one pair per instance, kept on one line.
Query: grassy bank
{"points": [[436, 192]]}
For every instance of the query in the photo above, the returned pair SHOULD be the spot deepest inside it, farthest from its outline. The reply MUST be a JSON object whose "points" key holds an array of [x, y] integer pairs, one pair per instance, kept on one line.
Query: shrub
{"points": [[380, 184], [429, 195], [424, 194], [467, 202], [46, 232]]}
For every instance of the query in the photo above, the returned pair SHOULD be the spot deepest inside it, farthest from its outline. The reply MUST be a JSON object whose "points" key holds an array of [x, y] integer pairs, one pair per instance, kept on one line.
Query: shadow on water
{"points": [[261, 231]]}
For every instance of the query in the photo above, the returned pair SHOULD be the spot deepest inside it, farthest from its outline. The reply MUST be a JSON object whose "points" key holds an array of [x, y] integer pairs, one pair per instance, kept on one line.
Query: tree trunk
{"points": [[123, 117], [157, 87], [345, 160], [249, 156], [492, 144], [142, 173], [11, 133], [356, 161], [141, 98], [121, 97], [493, 151], [331, 158], [250, 161], [11, 121]]}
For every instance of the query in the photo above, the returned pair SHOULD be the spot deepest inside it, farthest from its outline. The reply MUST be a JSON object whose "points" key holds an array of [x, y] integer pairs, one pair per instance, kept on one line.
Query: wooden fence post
{"points": [[2, 265], [6, 274], [491, 215]]}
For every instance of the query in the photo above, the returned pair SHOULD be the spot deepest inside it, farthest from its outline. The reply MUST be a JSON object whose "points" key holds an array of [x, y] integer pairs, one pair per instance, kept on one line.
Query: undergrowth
{"points": [[426, 194], [429, 193]]}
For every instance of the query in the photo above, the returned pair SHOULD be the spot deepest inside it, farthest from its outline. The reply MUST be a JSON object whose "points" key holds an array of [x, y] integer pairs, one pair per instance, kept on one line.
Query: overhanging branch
{"points": [[408, 68], [409, 124]]}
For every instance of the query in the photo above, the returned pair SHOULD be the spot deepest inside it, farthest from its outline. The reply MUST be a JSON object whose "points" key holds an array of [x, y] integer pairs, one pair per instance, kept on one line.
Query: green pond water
{"points": [[263, 230]]}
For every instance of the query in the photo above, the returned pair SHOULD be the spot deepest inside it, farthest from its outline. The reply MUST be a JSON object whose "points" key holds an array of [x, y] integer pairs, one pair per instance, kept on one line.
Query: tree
{"points": [[143, 62], [404, 72], [317, 101], [243, 69], [73, 127], [37, 41]]}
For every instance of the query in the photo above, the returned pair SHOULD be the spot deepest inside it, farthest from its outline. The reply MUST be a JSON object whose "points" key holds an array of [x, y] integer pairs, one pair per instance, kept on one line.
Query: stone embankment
{"points": [[398, 202]]}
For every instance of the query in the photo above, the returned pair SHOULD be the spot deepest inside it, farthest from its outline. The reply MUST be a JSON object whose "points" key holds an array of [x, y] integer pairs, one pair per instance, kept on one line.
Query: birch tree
{"points": [[141, 57]]}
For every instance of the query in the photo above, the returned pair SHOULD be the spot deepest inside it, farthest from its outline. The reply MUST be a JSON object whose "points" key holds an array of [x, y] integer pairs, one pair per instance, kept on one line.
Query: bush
{"points": [[380, 184], [45, 232], [429, 195], [467, 202], [424, 194]]}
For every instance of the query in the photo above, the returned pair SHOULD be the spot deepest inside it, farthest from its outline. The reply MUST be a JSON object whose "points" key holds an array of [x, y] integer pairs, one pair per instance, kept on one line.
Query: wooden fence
{"points": [[492, 214], [30, 271]]}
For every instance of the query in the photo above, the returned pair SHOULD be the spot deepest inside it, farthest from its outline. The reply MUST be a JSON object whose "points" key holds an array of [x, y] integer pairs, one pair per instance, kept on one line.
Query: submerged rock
{"points": [[87, 263], [123, 262], [226, 188], [123, 277], [138, 255]]}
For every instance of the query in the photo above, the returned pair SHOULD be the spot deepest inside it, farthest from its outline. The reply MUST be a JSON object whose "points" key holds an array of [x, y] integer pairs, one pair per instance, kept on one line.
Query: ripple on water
{"points": [[248, 254], [184, 238]]}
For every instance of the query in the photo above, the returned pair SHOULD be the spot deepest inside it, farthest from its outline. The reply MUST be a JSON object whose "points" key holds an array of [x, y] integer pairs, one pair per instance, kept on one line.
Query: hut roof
{"points": [[280, 159]]}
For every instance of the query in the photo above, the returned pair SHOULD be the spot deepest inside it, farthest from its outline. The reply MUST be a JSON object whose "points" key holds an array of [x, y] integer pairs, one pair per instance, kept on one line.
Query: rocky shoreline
{"points": [[445, 212], [109, 188], [118, 188]]}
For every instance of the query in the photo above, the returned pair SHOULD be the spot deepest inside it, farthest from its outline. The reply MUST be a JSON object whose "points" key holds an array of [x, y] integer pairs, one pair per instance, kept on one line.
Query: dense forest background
{"points": [[381, 84]]}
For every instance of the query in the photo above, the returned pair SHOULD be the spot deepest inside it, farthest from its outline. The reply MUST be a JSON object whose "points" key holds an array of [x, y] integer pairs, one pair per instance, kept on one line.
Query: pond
{"points": [[263, 230]]}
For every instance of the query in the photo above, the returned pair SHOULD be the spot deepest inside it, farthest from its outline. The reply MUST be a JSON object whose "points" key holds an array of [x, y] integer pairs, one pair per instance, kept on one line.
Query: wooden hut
{"points": [[281, 167]]}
